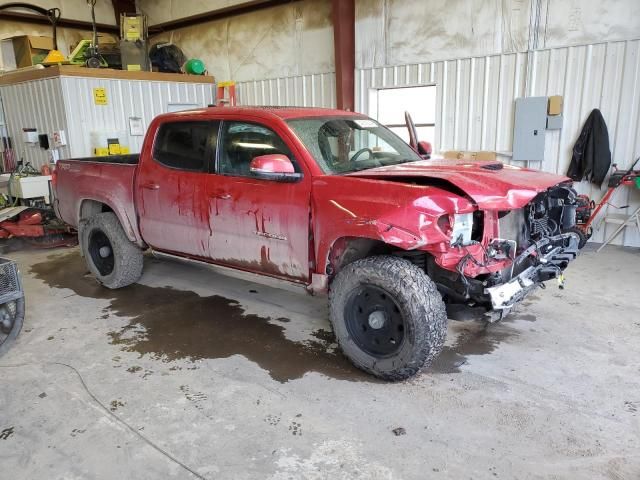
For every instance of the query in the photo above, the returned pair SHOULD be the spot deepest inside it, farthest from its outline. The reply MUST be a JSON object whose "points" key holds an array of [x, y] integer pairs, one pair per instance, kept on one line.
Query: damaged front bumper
{"points": [[551, 256]]}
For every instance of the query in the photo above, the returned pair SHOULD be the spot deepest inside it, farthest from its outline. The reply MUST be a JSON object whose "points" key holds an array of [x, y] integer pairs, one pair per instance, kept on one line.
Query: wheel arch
{"points": [[347, 249], [89, 207]]}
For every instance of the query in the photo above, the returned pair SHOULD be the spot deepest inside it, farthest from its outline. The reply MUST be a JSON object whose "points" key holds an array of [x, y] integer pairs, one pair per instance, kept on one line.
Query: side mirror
{"points": [[425, 149], [275, 167]]}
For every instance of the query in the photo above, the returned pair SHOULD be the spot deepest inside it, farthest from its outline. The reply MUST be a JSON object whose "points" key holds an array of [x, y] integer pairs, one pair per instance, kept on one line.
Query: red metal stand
{"points": [[230, 99]]}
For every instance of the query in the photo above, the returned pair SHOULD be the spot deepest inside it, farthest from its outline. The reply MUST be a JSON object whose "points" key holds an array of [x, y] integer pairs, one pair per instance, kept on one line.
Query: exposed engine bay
{"points": [[533, 242]]}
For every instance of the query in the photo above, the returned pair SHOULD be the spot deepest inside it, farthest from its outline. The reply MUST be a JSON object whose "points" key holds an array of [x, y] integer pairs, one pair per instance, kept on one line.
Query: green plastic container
{"points": [[194, 66], [638, 182]]}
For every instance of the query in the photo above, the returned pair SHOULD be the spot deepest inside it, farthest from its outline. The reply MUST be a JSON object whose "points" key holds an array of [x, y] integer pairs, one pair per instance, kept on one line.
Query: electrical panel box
{"points": [[529, 128], [554, 122]]}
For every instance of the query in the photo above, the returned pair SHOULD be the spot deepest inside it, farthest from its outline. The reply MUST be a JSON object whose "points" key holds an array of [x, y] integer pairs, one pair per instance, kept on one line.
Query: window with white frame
{"points": [[387, 105]]}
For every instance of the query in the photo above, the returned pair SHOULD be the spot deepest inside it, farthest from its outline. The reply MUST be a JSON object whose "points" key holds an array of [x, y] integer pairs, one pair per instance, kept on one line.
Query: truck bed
{"points": [[131, 159], [108, 180]]}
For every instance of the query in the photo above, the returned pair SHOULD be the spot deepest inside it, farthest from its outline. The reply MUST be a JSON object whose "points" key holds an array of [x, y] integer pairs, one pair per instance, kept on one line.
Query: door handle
{"points": [[151, 186]]}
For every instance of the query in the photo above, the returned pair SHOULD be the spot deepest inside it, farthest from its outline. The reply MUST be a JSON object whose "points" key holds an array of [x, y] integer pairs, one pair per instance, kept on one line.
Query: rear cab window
{"points": [[189, 145]]}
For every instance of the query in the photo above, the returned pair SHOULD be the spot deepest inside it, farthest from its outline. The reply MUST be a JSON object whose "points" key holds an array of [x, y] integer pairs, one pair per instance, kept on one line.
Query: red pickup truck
{"points": [[336, 202]]}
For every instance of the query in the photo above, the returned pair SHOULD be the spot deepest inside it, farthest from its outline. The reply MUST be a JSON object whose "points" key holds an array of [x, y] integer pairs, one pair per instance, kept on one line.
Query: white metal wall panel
{"points": [[317, 90], [67, 103], [125, 98], [37, 104], [470, 106], [476, 98], [604, 76]]}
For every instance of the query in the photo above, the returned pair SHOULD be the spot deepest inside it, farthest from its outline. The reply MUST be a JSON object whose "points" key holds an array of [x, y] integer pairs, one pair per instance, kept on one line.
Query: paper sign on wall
{"points": [[132, 28], [100, 96], [136, 128], [59, 139]]}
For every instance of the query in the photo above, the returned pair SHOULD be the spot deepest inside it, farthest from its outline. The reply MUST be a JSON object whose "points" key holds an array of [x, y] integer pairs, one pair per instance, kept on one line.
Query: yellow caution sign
{"points": [[100, 96]]}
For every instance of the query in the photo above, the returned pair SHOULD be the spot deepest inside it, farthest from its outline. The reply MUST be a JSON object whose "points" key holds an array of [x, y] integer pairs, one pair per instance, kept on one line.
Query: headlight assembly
{"points": [[461, 231]]}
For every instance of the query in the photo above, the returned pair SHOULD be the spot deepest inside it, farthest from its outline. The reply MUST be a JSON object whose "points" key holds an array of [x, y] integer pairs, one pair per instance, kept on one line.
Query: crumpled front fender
{"points": [[402, 215]]}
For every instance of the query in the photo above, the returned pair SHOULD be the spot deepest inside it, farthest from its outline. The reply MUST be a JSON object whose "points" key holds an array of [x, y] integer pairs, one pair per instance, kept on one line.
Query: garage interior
{"points": [[197, 370]]}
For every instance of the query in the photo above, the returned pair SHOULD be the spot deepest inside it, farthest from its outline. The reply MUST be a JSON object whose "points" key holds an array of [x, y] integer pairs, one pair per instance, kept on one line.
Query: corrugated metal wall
{"points": [[36, 104], [126, 98], [67, 103], [317, 90], [475, 103]]}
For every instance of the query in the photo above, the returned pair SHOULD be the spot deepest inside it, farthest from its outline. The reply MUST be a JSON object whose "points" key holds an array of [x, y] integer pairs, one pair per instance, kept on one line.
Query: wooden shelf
{"points": [[32, 73]]}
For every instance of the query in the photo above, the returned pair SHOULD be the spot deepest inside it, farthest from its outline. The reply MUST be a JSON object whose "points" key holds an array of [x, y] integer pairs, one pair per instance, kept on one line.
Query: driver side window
{"points": [[242, 142]]}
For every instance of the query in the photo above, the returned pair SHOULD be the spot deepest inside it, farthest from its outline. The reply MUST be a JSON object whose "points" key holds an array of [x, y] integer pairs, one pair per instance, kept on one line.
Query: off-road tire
{"points": [[583, 237], [127, 257], [420, 305]]}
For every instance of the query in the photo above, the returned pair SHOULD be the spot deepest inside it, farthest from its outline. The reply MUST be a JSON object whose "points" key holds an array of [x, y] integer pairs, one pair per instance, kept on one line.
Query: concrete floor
{"points": [[238, 380]]}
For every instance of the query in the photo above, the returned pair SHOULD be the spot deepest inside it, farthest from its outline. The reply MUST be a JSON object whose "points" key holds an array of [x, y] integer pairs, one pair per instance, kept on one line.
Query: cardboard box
{"points": [[453, 155], [486, 155], [458, 155], [555, 105], [8, 61], [30, 50]]}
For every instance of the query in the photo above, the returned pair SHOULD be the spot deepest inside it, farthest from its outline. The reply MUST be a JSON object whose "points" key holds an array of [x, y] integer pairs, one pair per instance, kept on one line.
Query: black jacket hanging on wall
{"points": [[591, 154]]}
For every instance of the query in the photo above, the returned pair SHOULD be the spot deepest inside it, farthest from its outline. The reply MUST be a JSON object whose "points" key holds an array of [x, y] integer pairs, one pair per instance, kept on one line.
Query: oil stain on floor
{"points": [[169, 324], [476, 338]]}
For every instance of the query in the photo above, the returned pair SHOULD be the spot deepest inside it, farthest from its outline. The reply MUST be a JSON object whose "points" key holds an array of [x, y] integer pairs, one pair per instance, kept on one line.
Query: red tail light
{"points": [[54, 177]]}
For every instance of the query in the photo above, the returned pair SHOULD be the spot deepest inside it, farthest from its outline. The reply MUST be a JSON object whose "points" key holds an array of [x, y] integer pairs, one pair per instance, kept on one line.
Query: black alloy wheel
{"points": [[374, 321], [101, 252]]}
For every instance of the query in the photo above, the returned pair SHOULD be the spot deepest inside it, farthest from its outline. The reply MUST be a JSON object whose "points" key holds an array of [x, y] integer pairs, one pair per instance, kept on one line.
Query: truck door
{"points": [[173, 202], [258, 225]]}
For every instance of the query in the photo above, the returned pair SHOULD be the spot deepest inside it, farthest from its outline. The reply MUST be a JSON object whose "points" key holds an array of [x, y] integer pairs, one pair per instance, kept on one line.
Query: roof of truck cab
{"points": [[285, 113]]}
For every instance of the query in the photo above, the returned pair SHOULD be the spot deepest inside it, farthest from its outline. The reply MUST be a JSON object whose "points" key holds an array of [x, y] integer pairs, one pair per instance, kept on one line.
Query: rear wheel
{"points": [[388, 316], [113, 259]]}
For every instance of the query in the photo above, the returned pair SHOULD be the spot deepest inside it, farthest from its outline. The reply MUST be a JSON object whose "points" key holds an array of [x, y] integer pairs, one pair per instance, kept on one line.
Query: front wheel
{"points": [[388, 316], [113, 259]]}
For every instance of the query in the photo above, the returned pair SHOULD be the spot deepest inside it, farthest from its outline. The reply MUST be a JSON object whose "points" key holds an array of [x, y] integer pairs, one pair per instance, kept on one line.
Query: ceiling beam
{"points": [[63, 22], [123, 6], [220, 13], [344, 44]]}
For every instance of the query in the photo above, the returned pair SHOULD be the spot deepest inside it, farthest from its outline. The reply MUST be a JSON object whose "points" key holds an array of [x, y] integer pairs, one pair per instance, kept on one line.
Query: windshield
{"points": [[348, 144]]}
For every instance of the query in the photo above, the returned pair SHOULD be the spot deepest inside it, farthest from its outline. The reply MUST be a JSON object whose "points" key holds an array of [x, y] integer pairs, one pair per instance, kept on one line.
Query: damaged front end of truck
{"points": [[518, 251], [487, 236]]}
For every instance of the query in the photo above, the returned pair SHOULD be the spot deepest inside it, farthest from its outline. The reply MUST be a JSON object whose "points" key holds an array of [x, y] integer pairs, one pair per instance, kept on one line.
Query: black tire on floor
{"points": [[113, 259], [6, 339], [581, 235], [407, 336]]}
